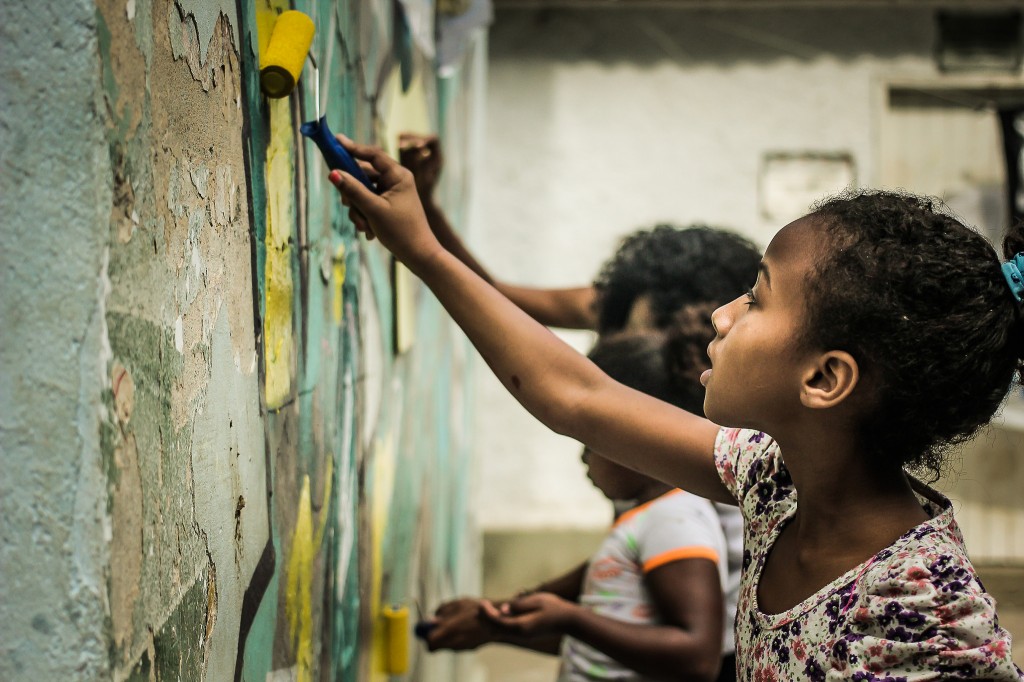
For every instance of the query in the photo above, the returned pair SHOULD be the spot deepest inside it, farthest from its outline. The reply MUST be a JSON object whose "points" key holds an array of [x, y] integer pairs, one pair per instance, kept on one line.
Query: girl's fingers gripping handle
{"points": [[336, 156], [390, 170], [356, 194]]}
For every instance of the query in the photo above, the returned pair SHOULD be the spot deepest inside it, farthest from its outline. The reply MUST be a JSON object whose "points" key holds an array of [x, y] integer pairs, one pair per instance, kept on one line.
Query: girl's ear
{"points": [[830, 380]]}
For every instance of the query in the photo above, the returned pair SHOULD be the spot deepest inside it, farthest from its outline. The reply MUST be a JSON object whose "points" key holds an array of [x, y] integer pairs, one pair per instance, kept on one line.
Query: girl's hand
{"points": [[422, 155], [396, 215], [534, 615]]}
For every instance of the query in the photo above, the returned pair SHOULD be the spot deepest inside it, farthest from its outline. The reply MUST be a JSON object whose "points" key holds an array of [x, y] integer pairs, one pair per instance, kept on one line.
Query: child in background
{"points": [[648, 605], [879, 332], [653, 274]]}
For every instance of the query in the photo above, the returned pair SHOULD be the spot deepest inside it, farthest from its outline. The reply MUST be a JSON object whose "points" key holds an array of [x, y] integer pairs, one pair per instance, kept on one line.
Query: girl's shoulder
{"points": [[928, 564], [920, 604], [744, 458]]}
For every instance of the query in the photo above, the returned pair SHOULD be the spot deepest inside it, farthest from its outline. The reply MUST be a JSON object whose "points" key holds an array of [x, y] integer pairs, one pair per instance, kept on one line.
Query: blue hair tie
{"points": [[1012, 272]]}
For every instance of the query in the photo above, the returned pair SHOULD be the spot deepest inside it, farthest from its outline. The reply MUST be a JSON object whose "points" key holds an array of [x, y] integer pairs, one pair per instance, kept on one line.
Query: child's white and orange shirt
{"points": [[672, 527], [914, 611]]}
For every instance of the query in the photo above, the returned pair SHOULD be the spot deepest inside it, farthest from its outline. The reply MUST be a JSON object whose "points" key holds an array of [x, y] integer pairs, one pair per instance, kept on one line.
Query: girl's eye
{"points": [[750, 297]]}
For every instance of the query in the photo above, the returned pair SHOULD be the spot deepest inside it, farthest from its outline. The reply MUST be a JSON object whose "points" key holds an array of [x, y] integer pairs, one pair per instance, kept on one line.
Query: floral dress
{"points": [[914, 611]]}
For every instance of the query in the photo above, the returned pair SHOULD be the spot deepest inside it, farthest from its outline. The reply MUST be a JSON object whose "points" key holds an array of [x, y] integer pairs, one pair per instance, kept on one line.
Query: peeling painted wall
{"points": [[217, 465]]}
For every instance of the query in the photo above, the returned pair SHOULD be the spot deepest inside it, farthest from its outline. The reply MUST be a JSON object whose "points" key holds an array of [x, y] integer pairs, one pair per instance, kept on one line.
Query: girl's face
{"points": [[756, 358], [616, 482]]}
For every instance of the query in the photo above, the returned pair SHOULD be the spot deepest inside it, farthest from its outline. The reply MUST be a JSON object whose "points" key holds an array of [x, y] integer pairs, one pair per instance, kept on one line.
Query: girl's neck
{"points": [[840, 486]]}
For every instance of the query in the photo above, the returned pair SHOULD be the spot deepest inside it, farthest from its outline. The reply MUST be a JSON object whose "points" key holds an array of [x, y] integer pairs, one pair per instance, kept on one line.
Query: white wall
{"points": [[602, 121]]}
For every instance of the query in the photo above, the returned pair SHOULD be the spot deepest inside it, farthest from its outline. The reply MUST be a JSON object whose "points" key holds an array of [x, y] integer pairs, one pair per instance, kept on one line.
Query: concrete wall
{"points": [[53, 360], [217, 464], [139, 449], [604, 120]]}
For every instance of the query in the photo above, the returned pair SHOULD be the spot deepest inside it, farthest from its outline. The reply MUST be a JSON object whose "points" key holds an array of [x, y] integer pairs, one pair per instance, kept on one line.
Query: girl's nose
{"points": [[720, 319]]}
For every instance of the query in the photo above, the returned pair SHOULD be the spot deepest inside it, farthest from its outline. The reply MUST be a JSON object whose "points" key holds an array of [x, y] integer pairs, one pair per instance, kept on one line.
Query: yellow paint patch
{"points": [[403, 112], [405, 308], [266, 16], [280, 177], [299, 595], [277, 327], [339, 281], [380, 507], [299, 592]]}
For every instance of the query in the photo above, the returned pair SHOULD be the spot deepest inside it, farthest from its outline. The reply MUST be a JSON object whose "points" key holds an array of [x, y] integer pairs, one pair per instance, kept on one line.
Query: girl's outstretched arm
{"points": [[552, 381]]}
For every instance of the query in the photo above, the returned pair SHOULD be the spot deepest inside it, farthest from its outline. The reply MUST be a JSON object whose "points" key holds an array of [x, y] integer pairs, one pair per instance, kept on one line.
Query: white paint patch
{"points": [[347, 480], [224, 198], [201, 179], [179, 335], [105, 350], [230, 494]]}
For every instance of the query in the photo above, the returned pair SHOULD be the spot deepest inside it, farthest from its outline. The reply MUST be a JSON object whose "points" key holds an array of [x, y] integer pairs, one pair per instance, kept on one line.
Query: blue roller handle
{"points": [[334, 154]]}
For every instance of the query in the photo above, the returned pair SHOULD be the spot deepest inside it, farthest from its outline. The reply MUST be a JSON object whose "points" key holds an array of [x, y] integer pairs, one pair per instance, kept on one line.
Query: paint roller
{"points": [[280, 68], [286, 53], [396, 633]]}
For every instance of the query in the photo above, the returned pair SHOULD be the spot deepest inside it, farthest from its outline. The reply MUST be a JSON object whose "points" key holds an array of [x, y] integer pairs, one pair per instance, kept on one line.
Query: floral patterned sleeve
{"points": [[923, 615], [743, 458]]}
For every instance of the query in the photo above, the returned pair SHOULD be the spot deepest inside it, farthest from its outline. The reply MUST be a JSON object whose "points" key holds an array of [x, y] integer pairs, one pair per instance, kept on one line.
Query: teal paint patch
{"points": [[104, 37], [142, 21], [254, 139], [258, 655], [110, 87], [170, 538], [175, 34], [178, 644]]}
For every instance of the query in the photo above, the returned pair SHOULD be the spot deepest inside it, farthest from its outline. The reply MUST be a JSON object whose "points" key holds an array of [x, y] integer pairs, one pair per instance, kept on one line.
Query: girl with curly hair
{"points": [[879, 332]]}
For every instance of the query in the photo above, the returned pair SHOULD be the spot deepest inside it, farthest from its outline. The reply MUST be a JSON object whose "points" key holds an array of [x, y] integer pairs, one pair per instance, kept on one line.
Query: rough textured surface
{"points": [[56, 180], [192, 489], [187, 444]]}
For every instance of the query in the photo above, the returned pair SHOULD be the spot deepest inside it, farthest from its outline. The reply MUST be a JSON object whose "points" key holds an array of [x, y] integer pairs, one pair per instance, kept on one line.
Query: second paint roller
{"points": [[280, 69]]}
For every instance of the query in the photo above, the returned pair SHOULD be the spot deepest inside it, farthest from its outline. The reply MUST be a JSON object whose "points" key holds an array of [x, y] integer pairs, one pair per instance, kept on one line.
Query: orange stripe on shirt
{"points": [[678, 555], [630, 513]]}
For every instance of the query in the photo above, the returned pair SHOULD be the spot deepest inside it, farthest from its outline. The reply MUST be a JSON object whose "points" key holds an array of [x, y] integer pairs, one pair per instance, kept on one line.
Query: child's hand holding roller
{"points": [[395, 216]]}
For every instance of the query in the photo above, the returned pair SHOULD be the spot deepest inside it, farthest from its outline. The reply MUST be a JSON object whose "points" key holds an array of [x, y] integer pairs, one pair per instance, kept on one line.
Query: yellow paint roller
{"points": [[396, 633], [286, 53]]}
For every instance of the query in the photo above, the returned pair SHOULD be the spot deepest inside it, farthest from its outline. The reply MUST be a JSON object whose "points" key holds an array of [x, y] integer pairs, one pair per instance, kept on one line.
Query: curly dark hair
{"points": [[920, 302], [686, 349], [674, 266], [643, 361]]}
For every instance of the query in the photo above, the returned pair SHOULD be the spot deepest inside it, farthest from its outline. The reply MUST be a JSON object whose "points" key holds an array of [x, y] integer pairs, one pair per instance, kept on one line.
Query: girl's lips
{"points": [[705, 376]]}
